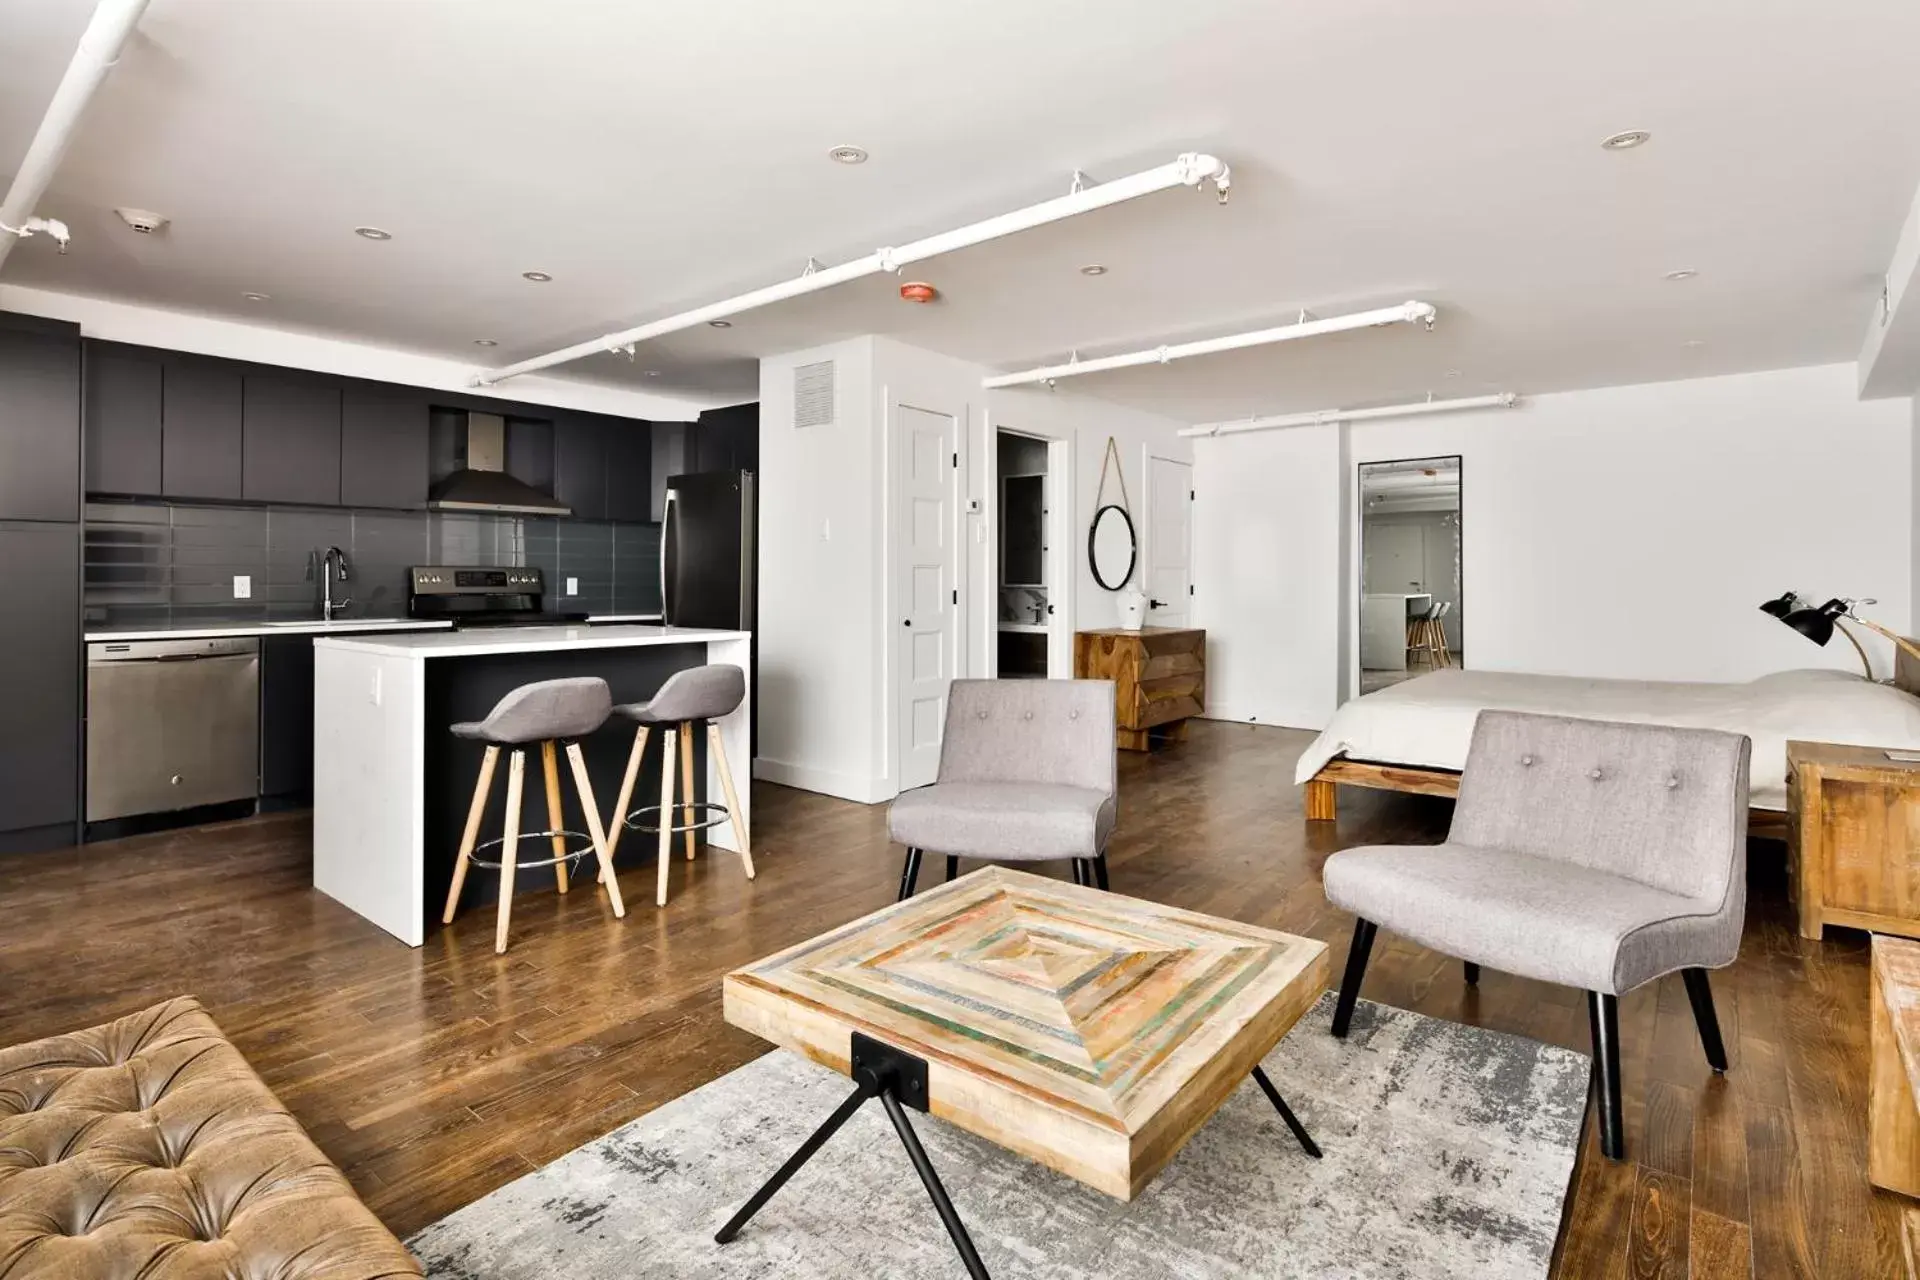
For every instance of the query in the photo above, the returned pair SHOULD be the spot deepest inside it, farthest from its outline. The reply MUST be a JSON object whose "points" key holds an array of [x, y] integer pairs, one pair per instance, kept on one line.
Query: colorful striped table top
{"points": [[1091, 1031]]}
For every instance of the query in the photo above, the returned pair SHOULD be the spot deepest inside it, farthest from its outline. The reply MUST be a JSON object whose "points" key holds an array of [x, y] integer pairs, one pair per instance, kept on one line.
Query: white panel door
{"points": [[1169, 542], [924, 444]]}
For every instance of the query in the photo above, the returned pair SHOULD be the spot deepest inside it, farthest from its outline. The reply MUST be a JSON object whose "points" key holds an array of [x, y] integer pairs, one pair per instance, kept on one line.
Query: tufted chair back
{"points": [[1057, 731], [1664, 806]]}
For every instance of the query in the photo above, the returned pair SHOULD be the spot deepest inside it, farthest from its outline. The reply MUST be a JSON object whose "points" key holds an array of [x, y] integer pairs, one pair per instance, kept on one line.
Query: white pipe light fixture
{"points": [[99, 48], [1190, 169], [1405, 313], [1504, 400]]}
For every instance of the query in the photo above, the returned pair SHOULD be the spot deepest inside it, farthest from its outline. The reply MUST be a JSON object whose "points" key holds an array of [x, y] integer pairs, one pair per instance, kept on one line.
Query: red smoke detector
{"points": [[918, 291]]}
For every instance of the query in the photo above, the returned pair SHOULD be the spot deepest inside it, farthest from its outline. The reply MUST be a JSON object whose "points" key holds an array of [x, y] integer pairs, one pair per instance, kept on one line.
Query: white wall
{"points": [[1628, 532], [826, 619], [1268, 520], [290, 348]]}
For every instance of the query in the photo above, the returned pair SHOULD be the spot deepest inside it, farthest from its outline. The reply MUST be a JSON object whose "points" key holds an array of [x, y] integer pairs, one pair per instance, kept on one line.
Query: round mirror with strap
{"points": [[1113, 550]]}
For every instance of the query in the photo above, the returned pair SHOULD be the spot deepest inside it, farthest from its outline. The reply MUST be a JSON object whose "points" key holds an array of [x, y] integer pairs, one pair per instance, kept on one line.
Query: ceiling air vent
{"points": [[813, 395]]}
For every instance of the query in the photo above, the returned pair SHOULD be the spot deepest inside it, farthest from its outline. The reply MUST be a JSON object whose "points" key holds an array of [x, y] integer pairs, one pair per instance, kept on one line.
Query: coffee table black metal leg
{"points": [[806, 1152], [1286, 1113], [931, 1180]]}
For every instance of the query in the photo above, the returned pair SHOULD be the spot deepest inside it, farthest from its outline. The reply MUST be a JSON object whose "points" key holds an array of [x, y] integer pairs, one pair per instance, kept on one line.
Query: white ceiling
{"points": [[658, 155]]}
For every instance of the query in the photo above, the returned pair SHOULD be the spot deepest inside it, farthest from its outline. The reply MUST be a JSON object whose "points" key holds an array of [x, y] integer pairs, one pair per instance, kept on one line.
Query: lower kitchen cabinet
{"points": [[40, 686], [286, 722]]}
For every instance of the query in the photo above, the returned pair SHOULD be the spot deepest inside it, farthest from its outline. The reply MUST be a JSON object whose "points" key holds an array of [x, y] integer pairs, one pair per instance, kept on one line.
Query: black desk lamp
{"points": [[1818, 625]]}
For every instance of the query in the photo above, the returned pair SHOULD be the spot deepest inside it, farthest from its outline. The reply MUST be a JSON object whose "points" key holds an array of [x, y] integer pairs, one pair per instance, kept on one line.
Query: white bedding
{"points": [[1428, 721]]}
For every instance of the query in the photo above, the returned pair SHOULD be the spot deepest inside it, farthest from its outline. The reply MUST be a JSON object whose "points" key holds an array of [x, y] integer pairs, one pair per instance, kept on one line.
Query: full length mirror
{"points": [[1410, 580], [1111, 549]]}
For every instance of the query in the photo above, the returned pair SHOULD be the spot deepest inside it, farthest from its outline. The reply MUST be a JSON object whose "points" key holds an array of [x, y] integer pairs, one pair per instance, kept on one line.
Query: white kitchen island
{"points": [[391, 784]]}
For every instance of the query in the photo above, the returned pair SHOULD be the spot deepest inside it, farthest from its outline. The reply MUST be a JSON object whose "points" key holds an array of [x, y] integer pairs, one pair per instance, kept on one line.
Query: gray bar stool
{"points": [[698, 693], [547, 712]]}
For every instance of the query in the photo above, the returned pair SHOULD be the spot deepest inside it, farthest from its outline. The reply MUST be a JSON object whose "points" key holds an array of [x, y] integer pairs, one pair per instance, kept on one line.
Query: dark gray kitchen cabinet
{"points": [[40, 685], [530, 451], [200, 432], [290, 431], [383, 446], [123, 418], [39, 419], [727, 439], [671, 456], [580, 464], [629, 469], [286, 721]]}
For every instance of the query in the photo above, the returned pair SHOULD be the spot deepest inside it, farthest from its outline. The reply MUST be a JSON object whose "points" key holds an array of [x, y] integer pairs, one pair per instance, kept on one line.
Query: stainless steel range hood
{"points": [[484, 485]]}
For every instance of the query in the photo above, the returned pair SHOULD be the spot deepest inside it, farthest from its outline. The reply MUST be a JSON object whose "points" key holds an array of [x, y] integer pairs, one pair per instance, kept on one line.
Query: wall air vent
{"points": [[813, 395]]}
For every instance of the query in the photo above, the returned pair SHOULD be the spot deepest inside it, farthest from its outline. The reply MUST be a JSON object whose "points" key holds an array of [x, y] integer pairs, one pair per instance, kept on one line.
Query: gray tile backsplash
{"points": [[158, 564]]}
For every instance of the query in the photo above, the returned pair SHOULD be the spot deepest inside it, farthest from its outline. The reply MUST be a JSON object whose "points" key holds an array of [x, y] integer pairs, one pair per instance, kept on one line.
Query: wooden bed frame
{"points": [[1323, 805]]}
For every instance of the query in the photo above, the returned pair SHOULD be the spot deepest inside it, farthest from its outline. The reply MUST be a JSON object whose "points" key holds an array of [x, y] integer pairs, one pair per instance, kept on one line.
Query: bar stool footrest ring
{"points": [[713, 816], [571, 857]]}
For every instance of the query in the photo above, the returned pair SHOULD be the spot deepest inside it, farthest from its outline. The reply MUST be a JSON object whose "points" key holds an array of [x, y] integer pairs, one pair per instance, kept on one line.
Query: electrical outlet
{"points": [[573, 586], [242, 586]]}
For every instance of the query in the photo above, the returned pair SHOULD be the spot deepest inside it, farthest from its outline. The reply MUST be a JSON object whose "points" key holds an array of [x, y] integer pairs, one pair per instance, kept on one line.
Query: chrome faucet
{"points": [[330, 566]]}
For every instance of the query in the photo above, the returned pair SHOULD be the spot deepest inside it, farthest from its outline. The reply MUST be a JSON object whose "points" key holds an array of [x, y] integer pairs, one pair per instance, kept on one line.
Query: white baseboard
{"points": [[826, 782], [1282, 719]]}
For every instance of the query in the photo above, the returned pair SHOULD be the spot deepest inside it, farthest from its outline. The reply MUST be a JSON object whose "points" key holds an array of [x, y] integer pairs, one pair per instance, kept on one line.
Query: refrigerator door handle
{"points": [[666, 544]]}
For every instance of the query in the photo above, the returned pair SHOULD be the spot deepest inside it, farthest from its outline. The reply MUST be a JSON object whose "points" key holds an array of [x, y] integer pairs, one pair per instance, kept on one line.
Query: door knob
{"points": [[1156, 604], [906, 622]]}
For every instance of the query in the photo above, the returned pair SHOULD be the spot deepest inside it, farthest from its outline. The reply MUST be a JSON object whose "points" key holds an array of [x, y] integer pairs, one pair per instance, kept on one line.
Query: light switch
{"points": [[573, 586], [242, 586], [826, 531]]}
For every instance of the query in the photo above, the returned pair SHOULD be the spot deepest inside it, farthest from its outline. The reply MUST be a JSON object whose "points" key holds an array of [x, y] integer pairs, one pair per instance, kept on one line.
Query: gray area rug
{"points": [[1448, 1153]]}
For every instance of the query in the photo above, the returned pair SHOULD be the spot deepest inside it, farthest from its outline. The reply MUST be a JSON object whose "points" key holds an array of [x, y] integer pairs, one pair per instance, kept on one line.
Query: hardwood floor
{"points": [[434, 1076]]}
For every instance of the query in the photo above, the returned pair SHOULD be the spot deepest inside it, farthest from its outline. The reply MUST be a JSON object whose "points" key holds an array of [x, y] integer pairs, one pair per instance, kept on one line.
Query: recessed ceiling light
{"points": [[1625, 141], [372, 233], [485, 342], [538, 277], [1694, 342], [1684, 273], [1451, 373], [1093, 269], [721, 324], [848, 154], [256, 297], [652, 373]]}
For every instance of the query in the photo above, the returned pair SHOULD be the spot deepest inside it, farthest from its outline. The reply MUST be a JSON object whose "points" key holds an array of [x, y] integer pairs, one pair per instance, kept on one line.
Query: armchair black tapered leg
{"points": [[1700, 994], [953, 866], [1100, 871], [1079, 870], [1603, 1019], [1357, 952], [909, 874], [1473, 973]]}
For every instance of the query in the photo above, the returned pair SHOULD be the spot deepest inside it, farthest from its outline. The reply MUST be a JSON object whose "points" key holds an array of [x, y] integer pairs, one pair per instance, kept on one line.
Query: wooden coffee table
{"points": [[1091, 1032]]}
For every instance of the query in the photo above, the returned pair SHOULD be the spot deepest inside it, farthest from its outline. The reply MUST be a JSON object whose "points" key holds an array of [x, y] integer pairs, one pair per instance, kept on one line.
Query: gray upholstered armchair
{"points": [[1027, 774], [1597, 855]]}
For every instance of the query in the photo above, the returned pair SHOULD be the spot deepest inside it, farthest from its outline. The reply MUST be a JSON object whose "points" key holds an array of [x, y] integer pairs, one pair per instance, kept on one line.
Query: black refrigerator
{"points": [[707, 551]]}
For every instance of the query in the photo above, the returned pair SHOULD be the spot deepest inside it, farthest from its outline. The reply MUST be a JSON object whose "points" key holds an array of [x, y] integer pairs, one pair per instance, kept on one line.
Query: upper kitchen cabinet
{"points": [[629, 469], [727, 439], [671, 456], [200, 432], [383, 446], [39, 419], [290, 427], [123, 418], [580, 464]]}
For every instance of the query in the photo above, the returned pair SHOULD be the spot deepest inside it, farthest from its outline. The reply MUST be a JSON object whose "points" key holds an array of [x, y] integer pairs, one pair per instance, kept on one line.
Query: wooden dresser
{"points": [[1159, 678], [1854, 838]]}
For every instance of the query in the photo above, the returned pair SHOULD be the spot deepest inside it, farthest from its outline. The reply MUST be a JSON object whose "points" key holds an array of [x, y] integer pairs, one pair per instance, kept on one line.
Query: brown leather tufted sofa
{"points": [[147, 1148]]}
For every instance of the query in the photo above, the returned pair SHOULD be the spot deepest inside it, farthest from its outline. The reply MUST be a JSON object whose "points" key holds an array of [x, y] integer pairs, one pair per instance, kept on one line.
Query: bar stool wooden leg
{"points": [[666, 814], [556, 812], [686, 784], [476, 811], [618, 823], [584, 785], [734, 815], [510, 847]]}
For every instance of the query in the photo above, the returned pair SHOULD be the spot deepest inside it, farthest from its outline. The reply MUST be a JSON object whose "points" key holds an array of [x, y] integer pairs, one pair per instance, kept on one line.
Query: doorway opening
{"points": [[1030, 586], [1411, 602]]}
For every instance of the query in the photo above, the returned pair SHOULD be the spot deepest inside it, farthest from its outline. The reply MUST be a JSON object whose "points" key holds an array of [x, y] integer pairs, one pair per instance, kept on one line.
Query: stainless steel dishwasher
{"points": [[171, 724]]}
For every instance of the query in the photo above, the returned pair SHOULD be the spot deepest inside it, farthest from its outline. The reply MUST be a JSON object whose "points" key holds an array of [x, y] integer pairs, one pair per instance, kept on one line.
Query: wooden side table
{"points": [[1893, 1125], [1159, 678], [1853, 819]]}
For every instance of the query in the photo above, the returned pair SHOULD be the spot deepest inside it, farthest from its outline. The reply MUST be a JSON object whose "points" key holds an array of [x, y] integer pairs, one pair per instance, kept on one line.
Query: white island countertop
{"points": [[486, 640]]}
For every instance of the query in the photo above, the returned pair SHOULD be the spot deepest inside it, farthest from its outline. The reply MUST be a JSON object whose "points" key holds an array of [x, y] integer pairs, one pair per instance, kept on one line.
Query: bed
{"points": [[1413, 736]]}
